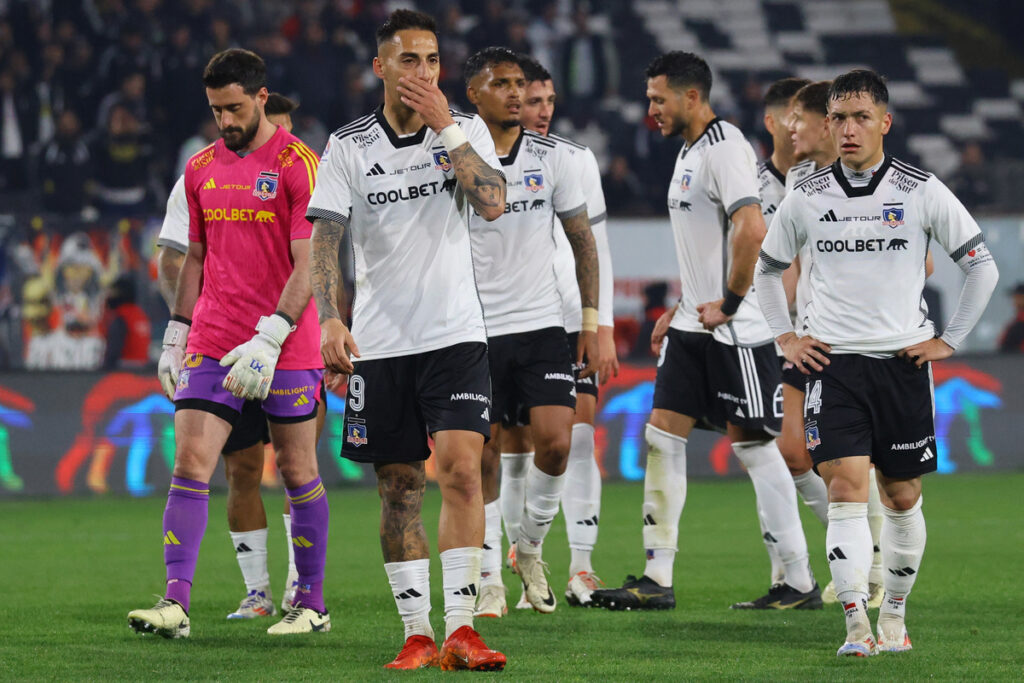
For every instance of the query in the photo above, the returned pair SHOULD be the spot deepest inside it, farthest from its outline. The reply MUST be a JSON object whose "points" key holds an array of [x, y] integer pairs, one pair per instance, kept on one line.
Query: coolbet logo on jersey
{"points": [[441, 161], [266, 185], [892, 216], [534, 182]]}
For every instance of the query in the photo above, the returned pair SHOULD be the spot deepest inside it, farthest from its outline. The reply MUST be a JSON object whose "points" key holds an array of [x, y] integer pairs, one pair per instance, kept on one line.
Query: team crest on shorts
{"points": [[684, 184], [183, 379], [811, 435], [442, 161], [534, 182], [265, 186], [355, 432], [892, 216]]}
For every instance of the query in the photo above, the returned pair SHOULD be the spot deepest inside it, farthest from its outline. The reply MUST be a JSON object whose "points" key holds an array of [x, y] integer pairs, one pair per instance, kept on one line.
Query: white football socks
{"points": [[778, 569], [903, 539], [848, 546], [460, 576], [512, 491], [490, 561], [292, 571], [410, 585], [543, 495], [776, 499], [251, 551], [875, 517], [814, 493], [664, 498], [581, 499]]}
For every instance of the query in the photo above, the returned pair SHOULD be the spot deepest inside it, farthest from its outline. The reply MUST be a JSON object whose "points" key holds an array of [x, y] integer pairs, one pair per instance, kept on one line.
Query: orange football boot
{"points": [[419, 652], [464, 649]]}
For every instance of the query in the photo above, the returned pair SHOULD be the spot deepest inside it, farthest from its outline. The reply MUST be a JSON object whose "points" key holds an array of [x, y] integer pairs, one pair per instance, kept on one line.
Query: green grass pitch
{"points": [[72, 569]]}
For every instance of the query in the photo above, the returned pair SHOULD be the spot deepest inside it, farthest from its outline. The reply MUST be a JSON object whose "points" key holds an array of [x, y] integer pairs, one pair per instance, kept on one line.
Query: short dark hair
{"points": [[236, 66], [814, 97], [858, 81], [487, 57], [405, 20], [533, 70], [278, 104], [781, 91], [681, 70]]}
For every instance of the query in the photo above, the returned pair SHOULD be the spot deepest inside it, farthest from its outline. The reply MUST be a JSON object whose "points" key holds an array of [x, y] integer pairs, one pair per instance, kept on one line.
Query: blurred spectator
{"points": [[356, 99], [317, 63], [130, 54], [77, 293], [544, 37], [589, 66], [65, 168], [623, 191], [491, 30], [19, 122], [125, 327], [515, 31], [1012, 339], [122, 158], [182, 92], [131, 95], [972, 182], [70, 347], [654, 308], [207, 134]]}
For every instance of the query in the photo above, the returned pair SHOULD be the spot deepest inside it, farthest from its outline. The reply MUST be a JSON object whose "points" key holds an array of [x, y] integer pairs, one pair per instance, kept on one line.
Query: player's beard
{"points": [[239, 138], [510, 123], [676, 127]]}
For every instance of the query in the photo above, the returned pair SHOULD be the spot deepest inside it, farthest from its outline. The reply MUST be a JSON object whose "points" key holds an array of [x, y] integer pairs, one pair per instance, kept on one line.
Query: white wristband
{"points": [[275, 327], [176, 333], [452, 137]]}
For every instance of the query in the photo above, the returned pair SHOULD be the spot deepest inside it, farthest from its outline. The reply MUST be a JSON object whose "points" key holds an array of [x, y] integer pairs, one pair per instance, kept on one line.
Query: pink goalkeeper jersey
{"points": [[247, 210]]}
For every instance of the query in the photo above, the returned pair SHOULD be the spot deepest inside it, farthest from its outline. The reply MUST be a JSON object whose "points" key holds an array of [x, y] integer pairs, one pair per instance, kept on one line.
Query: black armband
{"points": [[731, 303], [287, 318], [181, 319]]}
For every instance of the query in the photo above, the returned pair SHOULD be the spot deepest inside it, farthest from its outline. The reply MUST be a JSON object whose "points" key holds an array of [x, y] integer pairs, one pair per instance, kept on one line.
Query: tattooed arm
{"points": [[483, 186], [584, 248], [336, 342]]}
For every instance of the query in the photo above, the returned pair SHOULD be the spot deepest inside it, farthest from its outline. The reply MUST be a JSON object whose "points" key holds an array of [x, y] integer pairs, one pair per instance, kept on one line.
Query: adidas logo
{"points": [[302, 542], [928, 455], [376, 170], [829, 217], [210, 185], [739, 412], [408, 594], [486, 415], [171, 539], [836, 554], [649, 520], [906, 571], [588, 522], [469, 590], [300, 401], [243, 548]]}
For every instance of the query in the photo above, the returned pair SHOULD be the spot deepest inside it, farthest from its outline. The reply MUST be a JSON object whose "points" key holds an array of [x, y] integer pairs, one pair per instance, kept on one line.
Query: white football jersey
{"points": [[398, 196], [515, 254], [565, 261], [772, 188], [174, 231], [868, 248], [794, 176], [712, 179]]}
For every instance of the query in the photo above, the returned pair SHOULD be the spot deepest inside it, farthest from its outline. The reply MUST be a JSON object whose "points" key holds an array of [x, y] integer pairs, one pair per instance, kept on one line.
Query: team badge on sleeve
{"points": [[811, 435], [534, 182], [355, 432], [892, 216], [265, 186], [442, 161]]}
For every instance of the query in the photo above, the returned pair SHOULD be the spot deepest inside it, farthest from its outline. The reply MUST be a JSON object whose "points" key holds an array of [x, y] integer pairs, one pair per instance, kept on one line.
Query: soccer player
{"points": [[778, 109], [581, 499], [243, 451], [865, 342], [530, 360], [718, 364], [247, 256], [403, 179]]}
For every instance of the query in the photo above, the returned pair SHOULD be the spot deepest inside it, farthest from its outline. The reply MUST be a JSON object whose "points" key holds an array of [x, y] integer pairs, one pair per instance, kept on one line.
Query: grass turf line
{"points": [[72, 569]]}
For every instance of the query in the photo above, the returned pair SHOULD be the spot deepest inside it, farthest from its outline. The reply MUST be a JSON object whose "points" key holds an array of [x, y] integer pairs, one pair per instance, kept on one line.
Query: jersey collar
{"points": [[687, 148], [510, 158], [398, 141], [774, 171], [866, 190]]}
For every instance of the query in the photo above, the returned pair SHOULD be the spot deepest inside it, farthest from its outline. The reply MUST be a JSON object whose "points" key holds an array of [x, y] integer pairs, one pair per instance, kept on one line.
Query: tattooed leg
{"points": [[401, 487]]}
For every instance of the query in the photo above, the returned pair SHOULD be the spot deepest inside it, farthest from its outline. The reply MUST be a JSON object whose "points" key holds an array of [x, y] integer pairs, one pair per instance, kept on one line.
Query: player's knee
{"points": [[795, 455], [401, 487], [902, 498], [842, 490], [191, 463], [243, 471], [555, 446], [295, 471], [490, 463], [460, 479]]}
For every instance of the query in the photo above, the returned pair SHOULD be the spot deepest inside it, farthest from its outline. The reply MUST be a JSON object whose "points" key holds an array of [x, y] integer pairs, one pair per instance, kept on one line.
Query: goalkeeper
{"points": [[246, 271]]}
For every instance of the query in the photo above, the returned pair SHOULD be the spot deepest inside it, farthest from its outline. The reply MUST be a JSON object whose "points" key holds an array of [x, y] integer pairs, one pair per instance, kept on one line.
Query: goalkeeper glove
{"points": [[252, 363], [172, 356]]}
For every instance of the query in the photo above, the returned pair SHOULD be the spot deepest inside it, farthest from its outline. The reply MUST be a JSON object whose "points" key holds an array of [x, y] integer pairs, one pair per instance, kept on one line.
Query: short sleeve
{"points": [[597, 210], [300, 181], [332, 195], [196, 224], [732, 171], [175, 229], [785, 236], [567, 197], [952, 226], [480, 139]]}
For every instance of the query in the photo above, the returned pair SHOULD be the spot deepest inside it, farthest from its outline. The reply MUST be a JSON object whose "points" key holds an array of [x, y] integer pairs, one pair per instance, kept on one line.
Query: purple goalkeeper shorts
{"points": [[293, 397]]}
